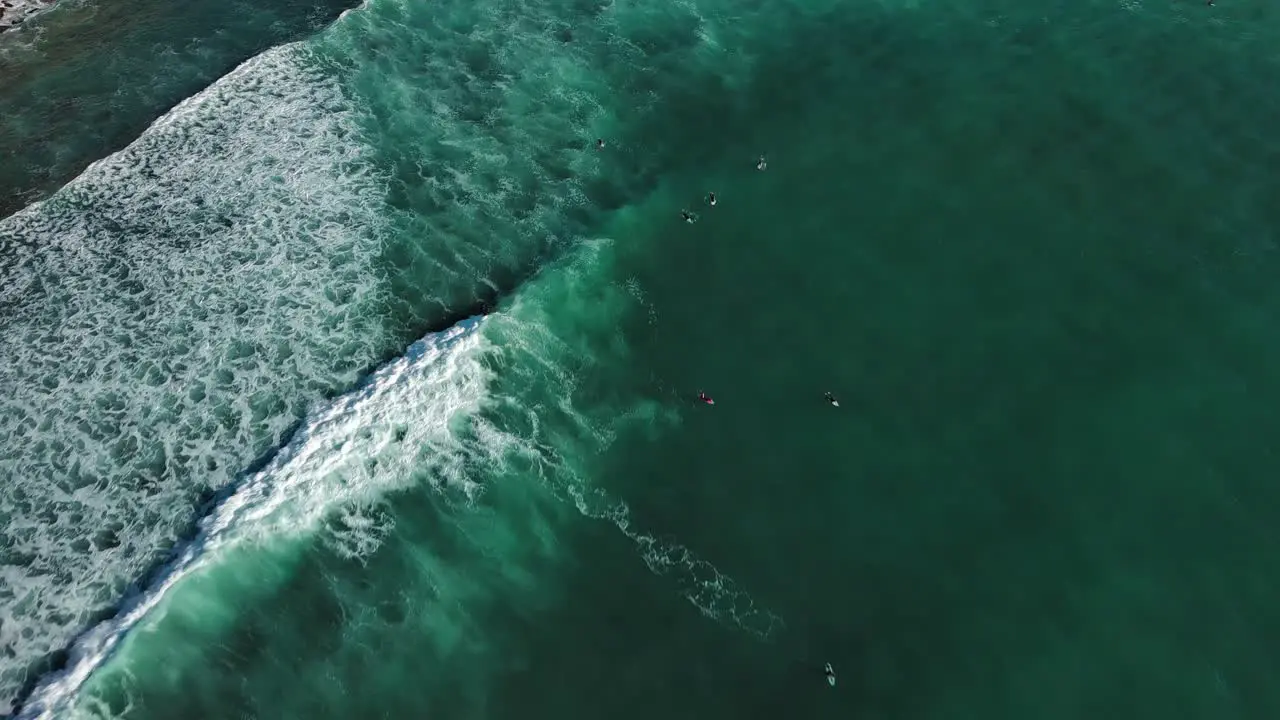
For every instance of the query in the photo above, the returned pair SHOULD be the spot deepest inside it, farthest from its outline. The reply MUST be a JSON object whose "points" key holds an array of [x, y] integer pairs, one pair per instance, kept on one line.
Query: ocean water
{"points": [[363, 384], [83, 78]]}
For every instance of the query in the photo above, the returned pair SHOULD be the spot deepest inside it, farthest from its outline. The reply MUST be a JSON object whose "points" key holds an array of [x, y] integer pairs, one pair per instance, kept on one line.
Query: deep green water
{"points": [[1029, 246]]}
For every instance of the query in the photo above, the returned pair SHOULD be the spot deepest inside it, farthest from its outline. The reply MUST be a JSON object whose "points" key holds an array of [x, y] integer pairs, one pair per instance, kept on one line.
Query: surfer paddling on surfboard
{"points": [[831, 675], [831, 399], [705, 398]]}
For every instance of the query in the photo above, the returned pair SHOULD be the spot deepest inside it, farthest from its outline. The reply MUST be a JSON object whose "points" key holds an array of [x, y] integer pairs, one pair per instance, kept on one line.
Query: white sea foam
{"points": [[398, 428], [166, 317], [171, 313], [430, 417], [394, 430], [15, 12]]}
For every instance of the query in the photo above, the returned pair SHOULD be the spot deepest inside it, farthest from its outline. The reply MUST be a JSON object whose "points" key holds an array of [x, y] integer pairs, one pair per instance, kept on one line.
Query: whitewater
{"points": [[399, 419], [181, 310], [419, 421], [174, 309], [361, 381]]}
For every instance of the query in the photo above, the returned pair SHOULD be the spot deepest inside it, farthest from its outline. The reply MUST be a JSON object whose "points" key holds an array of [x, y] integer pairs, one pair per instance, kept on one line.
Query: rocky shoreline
{"points": [[15, 12]]}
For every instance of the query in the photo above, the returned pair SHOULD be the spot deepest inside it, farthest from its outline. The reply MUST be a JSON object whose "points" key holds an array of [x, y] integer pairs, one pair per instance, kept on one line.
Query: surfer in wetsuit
{"points": [[599, 143], [831, 399], [711, 199], [761, 164], [705, 398], [688, 217], [831, 674]]}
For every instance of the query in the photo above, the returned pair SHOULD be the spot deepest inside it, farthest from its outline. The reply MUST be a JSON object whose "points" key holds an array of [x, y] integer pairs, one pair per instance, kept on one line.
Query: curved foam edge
{"points": [[438, 379], [173, 310]]}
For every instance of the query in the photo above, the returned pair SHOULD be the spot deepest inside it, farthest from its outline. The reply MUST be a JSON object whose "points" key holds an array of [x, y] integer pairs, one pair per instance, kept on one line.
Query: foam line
{"points": [[168, 316], [403, 413]]}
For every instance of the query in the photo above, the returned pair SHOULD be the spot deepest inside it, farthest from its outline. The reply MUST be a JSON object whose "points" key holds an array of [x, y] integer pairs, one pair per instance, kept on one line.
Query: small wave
{"points": [[487, 399], [180, 305], [330, 477], [168, 315]]}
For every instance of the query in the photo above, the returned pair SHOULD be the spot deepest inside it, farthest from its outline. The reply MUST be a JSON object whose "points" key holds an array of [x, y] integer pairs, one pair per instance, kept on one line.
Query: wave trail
{"points": [[348, 453], [168, 316]]}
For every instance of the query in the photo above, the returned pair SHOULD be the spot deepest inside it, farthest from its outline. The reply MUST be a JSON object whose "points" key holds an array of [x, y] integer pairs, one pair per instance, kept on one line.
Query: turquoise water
{"points": [[434, 356]]}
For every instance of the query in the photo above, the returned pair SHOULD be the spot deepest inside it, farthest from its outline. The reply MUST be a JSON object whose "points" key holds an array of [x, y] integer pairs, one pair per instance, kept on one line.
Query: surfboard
{"points": [[835, 403]]}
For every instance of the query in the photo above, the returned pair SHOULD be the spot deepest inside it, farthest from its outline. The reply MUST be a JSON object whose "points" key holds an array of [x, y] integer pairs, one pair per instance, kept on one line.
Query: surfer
{"points": [[599, 143], [831, 399], [831, 675], [761, 164], [705, 398], [711, 199], [688, 217]]}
